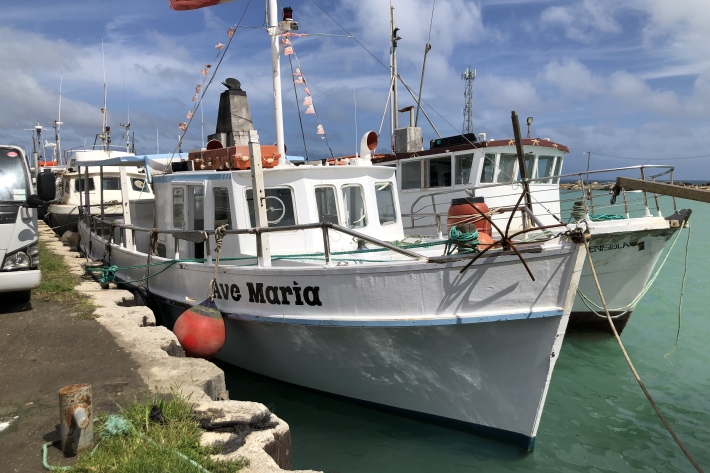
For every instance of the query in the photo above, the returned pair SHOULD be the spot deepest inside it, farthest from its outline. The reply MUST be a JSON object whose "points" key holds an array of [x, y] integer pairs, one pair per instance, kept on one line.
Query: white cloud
{"points": [[573, 78], [583, 20]]}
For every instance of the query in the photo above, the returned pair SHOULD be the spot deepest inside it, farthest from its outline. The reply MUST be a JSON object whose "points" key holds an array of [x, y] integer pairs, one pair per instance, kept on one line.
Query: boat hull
{"points": [[475, 350]]}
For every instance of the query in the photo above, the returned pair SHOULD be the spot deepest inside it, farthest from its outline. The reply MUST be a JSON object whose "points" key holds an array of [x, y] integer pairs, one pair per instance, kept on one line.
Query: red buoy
{"points": [[200, 330], [463, 211]]}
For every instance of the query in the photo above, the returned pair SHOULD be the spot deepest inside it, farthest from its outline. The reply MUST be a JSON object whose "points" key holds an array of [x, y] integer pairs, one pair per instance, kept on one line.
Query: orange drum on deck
{"points": [[463, 211]]}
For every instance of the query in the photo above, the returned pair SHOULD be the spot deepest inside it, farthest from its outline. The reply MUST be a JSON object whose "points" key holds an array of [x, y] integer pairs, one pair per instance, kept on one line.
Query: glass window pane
{"points": [[463, 168], [327, 204], [558, 169], [440, 172], [198, 197], [279, 207], [13, 180], [354, 203], [385, 202], [79, 184], [112, 184], [487, 170], [138, 184], [529, 165], [412, 175], [178, 207], [222, 210], [544, 167], [506, 168]]}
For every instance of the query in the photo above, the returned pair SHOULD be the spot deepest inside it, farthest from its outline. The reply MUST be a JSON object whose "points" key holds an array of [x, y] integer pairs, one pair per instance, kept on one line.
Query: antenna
{"points": [[57, 123], [104, 121], [468, 76], [355, 100], [157, 140], [126, 126]]}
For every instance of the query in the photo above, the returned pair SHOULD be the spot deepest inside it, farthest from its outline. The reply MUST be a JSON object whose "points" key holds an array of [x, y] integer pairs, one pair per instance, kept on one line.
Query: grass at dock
{"points": [[58, 284], [146, 444]]}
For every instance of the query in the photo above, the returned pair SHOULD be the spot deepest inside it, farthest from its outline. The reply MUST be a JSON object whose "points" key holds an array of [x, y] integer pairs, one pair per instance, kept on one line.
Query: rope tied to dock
{"points": [[631, 365]]}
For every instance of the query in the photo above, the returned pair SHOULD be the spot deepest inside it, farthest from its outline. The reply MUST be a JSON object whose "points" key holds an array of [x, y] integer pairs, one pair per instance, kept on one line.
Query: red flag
{"points": [[194, 4], [182, 126]]}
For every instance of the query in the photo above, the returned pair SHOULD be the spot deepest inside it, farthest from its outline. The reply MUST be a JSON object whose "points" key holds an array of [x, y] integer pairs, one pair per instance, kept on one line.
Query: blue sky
{"points": [[619, 78]]}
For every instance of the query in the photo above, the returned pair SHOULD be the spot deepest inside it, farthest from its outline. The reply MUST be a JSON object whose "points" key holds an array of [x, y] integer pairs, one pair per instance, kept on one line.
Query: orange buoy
{"points": [[484, 241], [200, 330], [463, 211]]}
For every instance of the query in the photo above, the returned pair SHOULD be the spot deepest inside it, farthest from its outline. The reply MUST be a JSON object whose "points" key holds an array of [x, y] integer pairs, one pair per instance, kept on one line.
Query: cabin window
{"points": [[545, 167], [222, 211], [178, 207], [138, 185], [487, 170], [112, 184], [385, 203], [67, 187], [506, 168], [412, 175], [558, 169], [529, 165], [279, 207], [440, 172], [463, 168], [327, 204], [354, 203], [80, 187]]}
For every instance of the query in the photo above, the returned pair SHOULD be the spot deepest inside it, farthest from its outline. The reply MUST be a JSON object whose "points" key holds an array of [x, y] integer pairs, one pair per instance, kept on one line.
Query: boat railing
{"points": [[98, 226], [419, 211]]}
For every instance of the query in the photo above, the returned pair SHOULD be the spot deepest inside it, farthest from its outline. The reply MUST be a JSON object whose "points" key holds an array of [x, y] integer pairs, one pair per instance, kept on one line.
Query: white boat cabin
{"points": [[359, 197], [428, 180]]}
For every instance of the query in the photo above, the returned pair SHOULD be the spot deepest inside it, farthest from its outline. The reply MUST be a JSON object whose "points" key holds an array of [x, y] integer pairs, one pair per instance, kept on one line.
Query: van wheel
{"points": [[21, 296]]}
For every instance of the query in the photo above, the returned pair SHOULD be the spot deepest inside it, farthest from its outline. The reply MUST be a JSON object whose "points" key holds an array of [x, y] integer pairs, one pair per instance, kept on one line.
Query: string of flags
{"points": [[300, 79]]}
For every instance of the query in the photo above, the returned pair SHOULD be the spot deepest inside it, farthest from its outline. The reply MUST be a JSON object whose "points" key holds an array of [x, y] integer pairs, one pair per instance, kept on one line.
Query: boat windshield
{"points": [[14, 181]]}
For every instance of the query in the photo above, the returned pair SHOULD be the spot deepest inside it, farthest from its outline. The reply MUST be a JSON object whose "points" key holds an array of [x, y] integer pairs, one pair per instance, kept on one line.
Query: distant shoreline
{"points": [[695, 184]]}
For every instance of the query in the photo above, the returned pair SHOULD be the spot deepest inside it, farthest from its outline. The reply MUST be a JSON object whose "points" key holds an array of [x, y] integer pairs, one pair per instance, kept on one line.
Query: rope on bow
{"points": [[219, 233]]}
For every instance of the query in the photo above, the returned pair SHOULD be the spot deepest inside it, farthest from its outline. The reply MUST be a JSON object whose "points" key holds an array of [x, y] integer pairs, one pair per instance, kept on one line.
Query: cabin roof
{"points": [[476, 145]]}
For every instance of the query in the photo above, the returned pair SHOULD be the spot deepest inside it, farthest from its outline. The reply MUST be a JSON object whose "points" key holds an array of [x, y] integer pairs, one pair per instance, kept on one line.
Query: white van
{"points": [[19, 243]]}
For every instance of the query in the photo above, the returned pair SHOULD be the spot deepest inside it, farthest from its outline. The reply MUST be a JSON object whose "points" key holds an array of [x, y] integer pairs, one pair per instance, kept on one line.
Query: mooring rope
{"points": [[219, 233], [631, 365]]}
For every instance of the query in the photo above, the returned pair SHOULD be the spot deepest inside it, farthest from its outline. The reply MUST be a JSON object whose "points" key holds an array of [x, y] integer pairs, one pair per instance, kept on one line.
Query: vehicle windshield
{"points": [[14, 182]]}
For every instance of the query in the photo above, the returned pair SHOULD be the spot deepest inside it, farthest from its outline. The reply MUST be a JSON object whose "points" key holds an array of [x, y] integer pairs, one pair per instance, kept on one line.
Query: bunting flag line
{"points": [[310, 110], [299, 80], [198, 87], [182, 126], [308, 92], [189, 115], [288, 50], [219, 46], [205, 69], [285, 42], [182, 5], [290, 34], [319, 130], [307, 101], [230, 32], [298, 72]]}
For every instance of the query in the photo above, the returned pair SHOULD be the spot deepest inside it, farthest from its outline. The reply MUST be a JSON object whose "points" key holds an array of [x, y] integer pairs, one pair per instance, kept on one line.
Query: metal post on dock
{"points": [[76, 429], [645, 198], [655, 197]]}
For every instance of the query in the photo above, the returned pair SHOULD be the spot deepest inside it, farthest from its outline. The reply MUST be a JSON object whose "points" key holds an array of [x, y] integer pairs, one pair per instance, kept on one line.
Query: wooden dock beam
{"points": [[672, 190]]}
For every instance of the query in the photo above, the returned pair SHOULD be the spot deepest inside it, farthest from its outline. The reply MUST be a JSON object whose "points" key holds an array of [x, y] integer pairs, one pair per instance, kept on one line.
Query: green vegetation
{"points": [[58, 284], [149, 445]]}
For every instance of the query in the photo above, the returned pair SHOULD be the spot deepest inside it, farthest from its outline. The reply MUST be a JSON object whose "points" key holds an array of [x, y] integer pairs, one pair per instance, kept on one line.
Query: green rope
{"points": [[605, 217], [464, 242]]}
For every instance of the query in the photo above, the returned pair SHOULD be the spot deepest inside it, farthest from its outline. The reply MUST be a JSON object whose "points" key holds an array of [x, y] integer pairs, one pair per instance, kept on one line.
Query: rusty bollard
{"points": [[76, 428]]}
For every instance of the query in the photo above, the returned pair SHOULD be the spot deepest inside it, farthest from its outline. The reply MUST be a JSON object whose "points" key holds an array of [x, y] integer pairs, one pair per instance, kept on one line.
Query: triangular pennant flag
{"points": [[230, 32], [198, 87], [308, 101], [189, 114], [194, 98], [285, 42], [299, 80], [205, 69], [298, 72], [288, 50], [320, 131], [308, 92], [219, 46], [182, 126], [310, 110]]}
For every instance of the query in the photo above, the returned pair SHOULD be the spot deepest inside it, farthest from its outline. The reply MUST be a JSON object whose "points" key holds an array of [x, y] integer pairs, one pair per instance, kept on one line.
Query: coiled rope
{"points": [[579, 212], [464, 242], [631, 365]]}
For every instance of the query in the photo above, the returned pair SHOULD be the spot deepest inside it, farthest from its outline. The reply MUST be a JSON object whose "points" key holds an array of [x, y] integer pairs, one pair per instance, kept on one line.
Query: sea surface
{"points": [[595, 419]]}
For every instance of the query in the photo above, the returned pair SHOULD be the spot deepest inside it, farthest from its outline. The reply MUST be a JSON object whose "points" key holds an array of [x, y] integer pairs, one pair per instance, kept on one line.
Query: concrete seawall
{"points": [[164, 368]]}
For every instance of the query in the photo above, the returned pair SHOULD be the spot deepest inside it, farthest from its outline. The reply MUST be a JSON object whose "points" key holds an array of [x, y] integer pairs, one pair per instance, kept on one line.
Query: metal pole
{"points": [[326, 244], [259, 199], [395, 104], [521, 163], [274, 32], [427, 48]]}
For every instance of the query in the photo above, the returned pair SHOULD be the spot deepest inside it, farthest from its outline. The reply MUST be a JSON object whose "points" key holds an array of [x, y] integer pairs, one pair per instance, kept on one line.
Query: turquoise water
{"points": [[595, 419]]}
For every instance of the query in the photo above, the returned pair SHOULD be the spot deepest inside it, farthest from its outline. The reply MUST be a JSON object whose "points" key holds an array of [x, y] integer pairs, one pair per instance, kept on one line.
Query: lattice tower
{"points": [[468, 76]]}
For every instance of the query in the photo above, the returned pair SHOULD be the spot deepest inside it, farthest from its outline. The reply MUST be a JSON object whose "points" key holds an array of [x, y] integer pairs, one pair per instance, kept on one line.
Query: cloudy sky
{"points": [[628, 80]]}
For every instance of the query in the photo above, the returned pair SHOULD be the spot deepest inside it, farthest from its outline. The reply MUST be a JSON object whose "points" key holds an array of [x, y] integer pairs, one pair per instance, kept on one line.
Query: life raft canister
{"points": [[463, 211]]}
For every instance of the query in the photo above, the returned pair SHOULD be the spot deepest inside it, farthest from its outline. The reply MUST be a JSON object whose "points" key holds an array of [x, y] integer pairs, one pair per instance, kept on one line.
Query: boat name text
{"points": [[611, 246], [274, 295]]}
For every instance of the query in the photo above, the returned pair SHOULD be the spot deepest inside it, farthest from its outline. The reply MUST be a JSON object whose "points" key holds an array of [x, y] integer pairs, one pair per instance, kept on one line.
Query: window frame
{"points": [[346, 213], [249, 214], [183, 191], [335, 197], [457, 159], [428, 171], [498, 169], [394, 203], [404, 163], [230, 220], [92, 185]]}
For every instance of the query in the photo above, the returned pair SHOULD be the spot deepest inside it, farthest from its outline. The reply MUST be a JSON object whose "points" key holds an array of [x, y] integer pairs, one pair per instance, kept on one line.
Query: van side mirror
{"points": [[34, 201], [46, 187]]}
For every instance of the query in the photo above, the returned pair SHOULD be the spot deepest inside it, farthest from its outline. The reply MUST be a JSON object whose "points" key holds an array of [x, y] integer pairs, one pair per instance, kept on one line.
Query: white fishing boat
{"points": [[319, 285], [63, 215]]}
